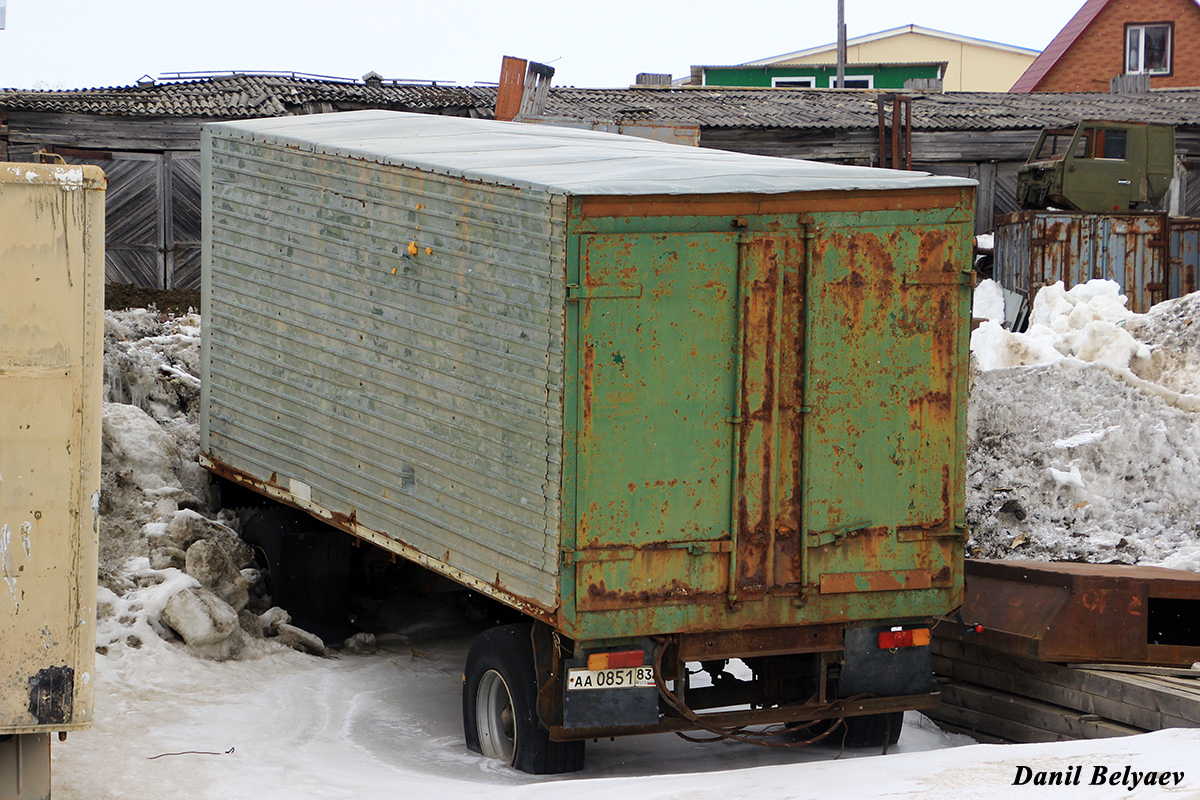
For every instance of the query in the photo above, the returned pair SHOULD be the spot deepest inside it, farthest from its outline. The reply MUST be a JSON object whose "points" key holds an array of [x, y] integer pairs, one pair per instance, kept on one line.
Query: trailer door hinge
{"points": [[939, 278], [576, 293]]}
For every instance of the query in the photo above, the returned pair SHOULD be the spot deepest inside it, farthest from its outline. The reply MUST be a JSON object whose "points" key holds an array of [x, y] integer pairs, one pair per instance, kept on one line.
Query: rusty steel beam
{"points": [[908, 133], [896, 132], [767, 716], [760, 642], [882, 132], [1082, 613], [733, 205]]}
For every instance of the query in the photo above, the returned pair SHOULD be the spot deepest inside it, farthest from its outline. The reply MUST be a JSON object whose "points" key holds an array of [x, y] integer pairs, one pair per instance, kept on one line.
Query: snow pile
{"points": [[172, 567], [1083, 441], [988, 303], [1174, 330], [1086, 322]]}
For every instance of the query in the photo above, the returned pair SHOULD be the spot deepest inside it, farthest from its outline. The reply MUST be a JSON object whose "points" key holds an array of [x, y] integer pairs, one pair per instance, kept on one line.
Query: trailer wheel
{"points": [[871, 730], [307, 567], [500, 705]]}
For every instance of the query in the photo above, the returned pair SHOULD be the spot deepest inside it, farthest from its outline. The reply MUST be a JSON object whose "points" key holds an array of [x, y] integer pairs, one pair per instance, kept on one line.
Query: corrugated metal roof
{"points": [[248, 96], [240, 96], [715, 107], [561, 160], [807, 64]]}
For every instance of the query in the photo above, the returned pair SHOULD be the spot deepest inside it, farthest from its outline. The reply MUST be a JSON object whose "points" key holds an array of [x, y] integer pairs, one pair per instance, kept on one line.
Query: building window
{"points": [[1148, 49], [792, 82], [855, 82]]}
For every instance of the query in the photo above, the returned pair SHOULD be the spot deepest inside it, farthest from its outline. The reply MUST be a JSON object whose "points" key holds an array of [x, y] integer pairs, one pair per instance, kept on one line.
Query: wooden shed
{"points": [[146, 138], [982, 135]]}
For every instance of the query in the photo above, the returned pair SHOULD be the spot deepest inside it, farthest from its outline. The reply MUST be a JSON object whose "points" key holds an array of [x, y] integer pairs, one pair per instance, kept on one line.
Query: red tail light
{"points": [[917, 637], [618, 660]]}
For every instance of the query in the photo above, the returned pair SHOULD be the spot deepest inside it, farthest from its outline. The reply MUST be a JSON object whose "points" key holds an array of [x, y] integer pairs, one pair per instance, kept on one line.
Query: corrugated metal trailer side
{"points": [[51, 354], [393, 340]]}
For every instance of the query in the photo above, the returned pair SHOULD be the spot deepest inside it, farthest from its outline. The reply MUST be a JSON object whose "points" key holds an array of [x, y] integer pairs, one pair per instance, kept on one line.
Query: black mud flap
{"points": [[883, 672], [606, 707]]}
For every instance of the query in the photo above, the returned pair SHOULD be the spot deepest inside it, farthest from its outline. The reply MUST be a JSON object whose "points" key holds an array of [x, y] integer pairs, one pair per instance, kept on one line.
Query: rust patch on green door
{"points": [[885, 353], [655, 438]]}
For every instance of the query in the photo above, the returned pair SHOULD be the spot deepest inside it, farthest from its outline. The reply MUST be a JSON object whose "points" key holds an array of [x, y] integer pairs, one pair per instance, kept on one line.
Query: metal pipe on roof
{"points": [[841, 45]]}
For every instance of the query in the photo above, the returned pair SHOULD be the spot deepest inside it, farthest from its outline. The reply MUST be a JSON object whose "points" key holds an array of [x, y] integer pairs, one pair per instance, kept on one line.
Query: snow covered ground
{"points": [[387, 725], [1083, 444]]}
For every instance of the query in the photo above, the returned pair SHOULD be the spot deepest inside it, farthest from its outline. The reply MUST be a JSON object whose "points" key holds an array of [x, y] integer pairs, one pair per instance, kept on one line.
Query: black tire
{"points": [[500, 705], [307, 565], [870, 730]]}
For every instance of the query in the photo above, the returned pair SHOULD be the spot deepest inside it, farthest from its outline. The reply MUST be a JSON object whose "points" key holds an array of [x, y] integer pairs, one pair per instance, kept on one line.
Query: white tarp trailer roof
{"points": [[563, 160]]}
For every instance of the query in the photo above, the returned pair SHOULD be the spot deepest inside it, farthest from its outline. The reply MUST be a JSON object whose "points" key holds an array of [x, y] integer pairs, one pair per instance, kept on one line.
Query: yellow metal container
{"points": [[51, 365]]}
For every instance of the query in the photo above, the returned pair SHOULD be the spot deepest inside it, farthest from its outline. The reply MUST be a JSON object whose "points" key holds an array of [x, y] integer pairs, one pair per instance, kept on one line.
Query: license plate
{"points": [[621, 678]]}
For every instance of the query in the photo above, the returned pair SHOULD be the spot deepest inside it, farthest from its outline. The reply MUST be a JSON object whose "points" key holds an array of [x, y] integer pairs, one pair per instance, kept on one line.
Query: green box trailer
{"points": [[51, 367], [674, 405]]}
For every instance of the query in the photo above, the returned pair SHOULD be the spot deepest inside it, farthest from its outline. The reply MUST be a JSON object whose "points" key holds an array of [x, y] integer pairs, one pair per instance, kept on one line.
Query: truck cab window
{"points": [[1054, 145], [1111, 145], [1083, 147]]}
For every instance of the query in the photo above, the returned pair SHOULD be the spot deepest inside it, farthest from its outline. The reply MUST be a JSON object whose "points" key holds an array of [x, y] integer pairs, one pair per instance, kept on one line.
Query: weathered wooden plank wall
{"points": [[100, 132], [153, 209], [862, 146], [182, 268]]}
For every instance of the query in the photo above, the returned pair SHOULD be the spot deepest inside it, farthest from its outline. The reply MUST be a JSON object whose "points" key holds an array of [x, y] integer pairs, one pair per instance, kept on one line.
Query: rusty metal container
{"points": [[51, 342], [1069, 612], [626, 387], [1185, 256], [1037, 248]]}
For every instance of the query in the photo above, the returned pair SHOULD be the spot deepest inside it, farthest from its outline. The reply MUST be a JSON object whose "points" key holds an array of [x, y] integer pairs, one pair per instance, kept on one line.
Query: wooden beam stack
{"points": [[1000, 697]]}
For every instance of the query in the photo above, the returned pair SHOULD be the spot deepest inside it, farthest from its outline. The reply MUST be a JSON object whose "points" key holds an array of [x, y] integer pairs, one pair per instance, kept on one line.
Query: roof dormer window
{"points": [[1148, 49]]}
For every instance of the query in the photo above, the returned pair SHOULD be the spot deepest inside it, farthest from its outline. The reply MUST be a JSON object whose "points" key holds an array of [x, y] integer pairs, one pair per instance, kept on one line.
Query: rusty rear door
{"points": [[887, 309], [768, 417], [685, 509], [656, 319]]}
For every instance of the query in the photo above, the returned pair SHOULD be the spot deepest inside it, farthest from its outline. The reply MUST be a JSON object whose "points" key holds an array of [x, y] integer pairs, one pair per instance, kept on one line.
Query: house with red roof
{"points": [[1109, 38]]}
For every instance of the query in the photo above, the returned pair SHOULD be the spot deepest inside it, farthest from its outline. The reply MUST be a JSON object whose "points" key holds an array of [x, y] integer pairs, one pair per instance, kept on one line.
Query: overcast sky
{"points": [[68, 44]]}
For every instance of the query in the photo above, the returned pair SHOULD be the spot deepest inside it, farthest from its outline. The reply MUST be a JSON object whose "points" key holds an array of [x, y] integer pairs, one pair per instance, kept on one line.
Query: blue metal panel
{"points": [[1038, 248]]}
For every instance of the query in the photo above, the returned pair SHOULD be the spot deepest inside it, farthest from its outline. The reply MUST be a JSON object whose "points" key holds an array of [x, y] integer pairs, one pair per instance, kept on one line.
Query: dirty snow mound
{"points": [[1088, 322], [1083, 442], [172, 567], [1172, 329]]}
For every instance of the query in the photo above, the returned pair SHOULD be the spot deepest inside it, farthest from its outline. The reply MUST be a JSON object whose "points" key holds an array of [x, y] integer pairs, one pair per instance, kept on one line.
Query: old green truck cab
{"points": [[1099, 167]]}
